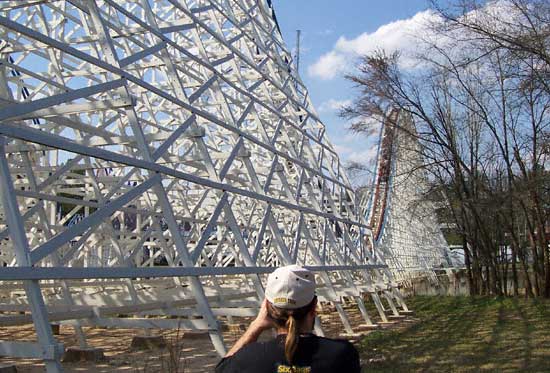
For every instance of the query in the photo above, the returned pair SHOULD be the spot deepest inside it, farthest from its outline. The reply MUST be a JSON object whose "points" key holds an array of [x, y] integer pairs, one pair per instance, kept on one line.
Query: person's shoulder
{"points": [[337, 344], [256, 347], [251, 354], [342, 351], [336, 341]]}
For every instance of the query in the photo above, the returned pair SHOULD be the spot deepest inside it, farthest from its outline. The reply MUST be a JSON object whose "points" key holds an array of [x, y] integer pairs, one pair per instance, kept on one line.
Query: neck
{"points": [[302, 329], [305, 325]]}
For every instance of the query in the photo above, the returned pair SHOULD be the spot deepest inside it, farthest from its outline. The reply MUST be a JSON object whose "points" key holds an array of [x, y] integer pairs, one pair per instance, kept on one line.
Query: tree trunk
{"points": [[471, 286], [478, 278], [496, 283], [515, 284], [528, 283]]}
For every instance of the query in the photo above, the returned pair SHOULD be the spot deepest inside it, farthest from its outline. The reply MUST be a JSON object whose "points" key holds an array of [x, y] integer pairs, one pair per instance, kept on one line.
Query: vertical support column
{"points": [[196, 286], [363, 310], [399, 297], [39, 312], [386, 295], [67, 297], [159, 189], [379, 306], [326, 279]]}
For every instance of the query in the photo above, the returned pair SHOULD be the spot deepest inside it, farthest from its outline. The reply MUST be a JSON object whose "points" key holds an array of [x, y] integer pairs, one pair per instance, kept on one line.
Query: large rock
{"points": [[76, 354], [147, 342], [56, 329]]}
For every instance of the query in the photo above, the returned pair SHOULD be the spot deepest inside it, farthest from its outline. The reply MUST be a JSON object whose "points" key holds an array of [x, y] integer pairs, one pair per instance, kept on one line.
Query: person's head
{"points": [[291, 303]]}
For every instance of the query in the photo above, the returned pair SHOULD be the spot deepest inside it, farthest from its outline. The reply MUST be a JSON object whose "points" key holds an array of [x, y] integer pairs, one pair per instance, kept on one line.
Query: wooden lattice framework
{"points": [[167, 153]]}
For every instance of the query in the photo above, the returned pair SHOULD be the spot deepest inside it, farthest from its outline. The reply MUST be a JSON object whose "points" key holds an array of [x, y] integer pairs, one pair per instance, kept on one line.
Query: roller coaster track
{"points": [[382, 185], [403, 220]]}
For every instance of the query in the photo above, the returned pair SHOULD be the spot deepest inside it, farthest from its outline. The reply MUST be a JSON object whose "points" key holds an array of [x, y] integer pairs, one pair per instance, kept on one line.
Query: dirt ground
{"points": [[188, 352]]}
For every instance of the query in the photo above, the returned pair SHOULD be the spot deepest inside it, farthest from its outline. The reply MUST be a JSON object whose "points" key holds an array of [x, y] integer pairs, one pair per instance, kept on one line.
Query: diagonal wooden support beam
{"points": [[94, 219]]}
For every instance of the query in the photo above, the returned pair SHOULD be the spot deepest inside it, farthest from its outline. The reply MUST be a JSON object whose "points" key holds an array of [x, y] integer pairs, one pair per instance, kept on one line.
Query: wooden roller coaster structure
{"points": [[157, 160]]}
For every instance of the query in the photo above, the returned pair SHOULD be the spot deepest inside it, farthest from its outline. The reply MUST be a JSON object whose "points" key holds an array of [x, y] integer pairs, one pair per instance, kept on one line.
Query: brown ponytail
{"points": [[291, 342], [290, 319]]}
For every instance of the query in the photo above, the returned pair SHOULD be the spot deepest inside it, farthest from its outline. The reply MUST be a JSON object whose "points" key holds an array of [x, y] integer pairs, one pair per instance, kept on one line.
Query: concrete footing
{"points": [[351, 335], [8, 368], [147, 342], [76, 354], [365, 327], [397, 317], [407, 313]]}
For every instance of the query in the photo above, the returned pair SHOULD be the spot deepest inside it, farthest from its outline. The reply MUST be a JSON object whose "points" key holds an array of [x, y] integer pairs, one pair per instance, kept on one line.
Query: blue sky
{"points": [[334, 33]]}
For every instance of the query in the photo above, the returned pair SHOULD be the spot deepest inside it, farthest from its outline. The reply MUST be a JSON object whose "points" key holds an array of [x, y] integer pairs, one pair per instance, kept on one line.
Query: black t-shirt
{"points": [[313, 355]]}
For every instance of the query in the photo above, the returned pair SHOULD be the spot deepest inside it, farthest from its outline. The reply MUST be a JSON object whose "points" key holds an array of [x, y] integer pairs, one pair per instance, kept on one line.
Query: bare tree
{"points": [[480, 104]]}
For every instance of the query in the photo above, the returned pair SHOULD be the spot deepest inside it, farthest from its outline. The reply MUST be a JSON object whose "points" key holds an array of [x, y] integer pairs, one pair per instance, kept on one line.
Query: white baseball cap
{"points": [[290, 287]]}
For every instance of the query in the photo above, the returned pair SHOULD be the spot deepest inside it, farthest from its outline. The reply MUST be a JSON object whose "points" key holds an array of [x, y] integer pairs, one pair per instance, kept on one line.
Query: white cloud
{"points": [[328, 66], [342, 149], [333, 105], [364, 157], [401, 35]]}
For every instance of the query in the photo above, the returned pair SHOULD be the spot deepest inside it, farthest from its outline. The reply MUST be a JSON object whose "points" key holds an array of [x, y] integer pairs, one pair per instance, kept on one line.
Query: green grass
{"points": [[463, 334]]}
